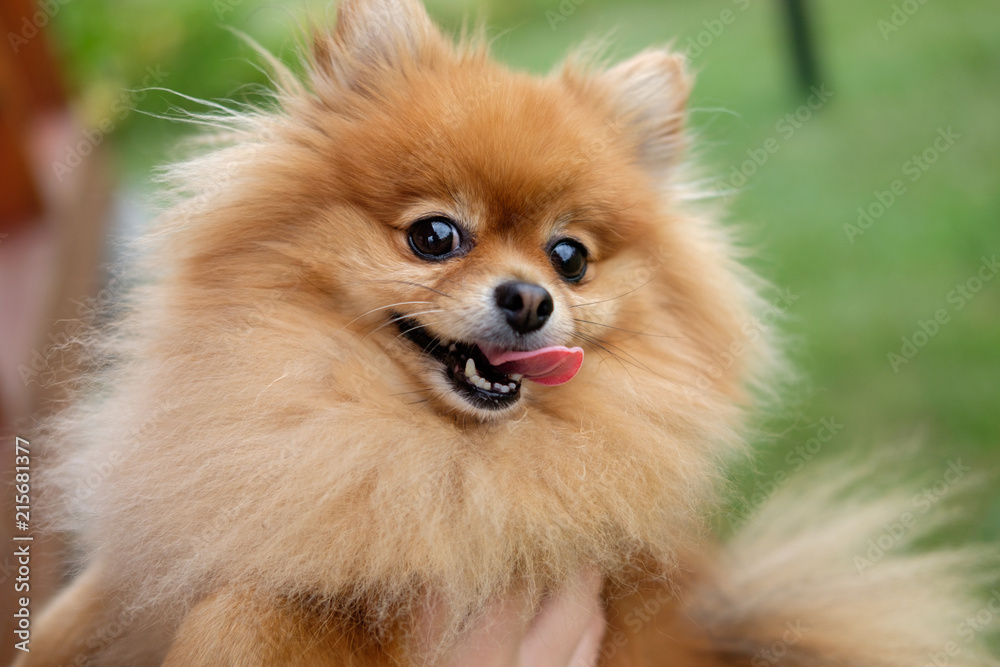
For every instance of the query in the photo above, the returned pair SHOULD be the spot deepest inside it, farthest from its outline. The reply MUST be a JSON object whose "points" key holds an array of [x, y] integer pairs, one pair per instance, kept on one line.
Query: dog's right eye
{"points": [[435, 238]]}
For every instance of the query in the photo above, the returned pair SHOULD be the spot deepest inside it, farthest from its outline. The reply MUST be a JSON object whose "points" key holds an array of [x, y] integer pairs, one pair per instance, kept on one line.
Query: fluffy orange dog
{"points": [[431, 331]]}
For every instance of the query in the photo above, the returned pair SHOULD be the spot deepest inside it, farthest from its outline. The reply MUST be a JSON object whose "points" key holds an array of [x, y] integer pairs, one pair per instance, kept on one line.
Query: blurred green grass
{"points": [[891, 95]]}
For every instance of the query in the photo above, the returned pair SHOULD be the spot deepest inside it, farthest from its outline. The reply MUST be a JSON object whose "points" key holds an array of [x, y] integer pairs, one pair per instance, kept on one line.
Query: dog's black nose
{"points": [[525, 305]]}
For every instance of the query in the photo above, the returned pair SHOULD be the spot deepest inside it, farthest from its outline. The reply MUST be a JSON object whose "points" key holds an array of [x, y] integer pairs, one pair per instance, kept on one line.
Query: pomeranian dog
{"points": [[427, 331]]}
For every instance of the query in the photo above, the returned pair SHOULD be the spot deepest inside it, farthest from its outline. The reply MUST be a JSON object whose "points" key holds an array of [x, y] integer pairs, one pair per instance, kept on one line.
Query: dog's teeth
{"points": [[470, 368], [513, 386], [503, 389], [474, 379], [484, 384], [516, 377]]}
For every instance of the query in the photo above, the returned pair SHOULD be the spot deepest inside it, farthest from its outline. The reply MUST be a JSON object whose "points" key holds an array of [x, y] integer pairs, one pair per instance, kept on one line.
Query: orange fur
{"points": [[274, 490]]}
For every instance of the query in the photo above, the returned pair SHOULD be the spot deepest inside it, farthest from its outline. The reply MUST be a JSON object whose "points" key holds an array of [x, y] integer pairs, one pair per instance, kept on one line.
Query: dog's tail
{"points": [[827, 573]]}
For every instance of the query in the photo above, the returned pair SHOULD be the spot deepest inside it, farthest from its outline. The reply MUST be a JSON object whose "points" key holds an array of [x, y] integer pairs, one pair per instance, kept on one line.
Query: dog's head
{"points": [[492, 233]]}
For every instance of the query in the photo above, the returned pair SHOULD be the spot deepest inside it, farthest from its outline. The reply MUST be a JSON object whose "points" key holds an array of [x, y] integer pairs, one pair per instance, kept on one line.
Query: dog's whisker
{"points": [[590, 341], [635, 362], [419, 326], [637, 333], [402, 282], [593, 303], [404, 393], [393, 320], [603, 354], [392, 305], [437, 341], [406, 316], [426, 403]]}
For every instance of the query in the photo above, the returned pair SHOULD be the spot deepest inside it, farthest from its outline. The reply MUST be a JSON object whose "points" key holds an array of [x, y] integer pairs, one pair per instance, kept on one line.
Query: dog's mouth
{"points": [[492, 379]]}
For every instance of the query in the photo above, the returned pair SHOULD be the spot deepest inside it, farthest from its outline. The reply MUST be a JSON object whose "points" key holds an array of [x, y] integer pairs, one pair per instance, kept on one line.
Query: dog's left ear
{"points": [[648, 97], [372, 36]]}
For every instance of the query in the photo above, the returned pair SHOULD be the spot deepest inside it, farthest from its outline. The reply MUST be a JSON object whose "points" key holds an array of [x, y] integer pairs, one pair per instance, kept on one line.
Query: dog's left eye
{"points": [[569, 258], [435, 238]]}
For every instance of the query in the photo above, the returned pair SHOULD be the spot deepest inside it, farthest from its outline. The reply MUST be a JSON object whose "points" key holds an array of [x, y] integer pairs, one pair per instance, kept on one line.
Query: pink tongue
{"points": [[549, 365]]}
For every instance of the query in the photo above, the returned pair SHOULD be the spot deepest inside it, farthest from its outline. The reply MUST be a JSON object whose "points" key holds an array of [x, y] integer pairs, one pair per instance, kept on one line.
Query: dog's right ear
{"points": [[372, 36], [648, 97]]}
